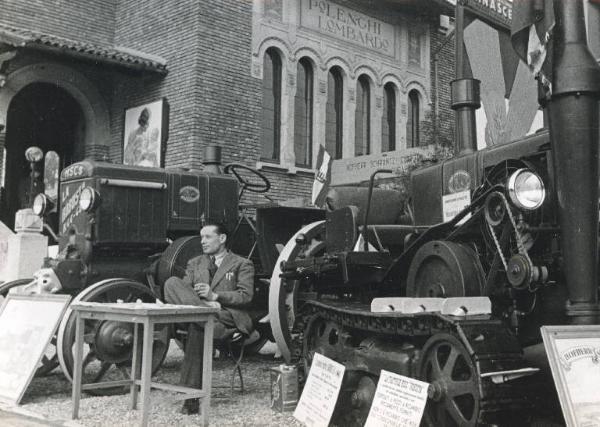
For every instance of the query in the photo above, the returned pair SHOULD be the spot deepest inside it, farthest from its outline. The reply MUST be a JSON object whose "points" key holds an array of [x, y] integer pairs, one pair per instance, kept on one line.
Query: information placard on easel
{"points": [[574, 355], [27, 324], [399, 401], [320, 392]]}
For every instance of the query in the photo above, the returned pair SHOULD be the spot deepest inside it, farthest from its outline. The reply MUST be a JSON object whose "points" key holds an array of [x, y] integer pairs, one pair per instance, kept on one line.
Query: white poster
{"points": [[27, 323], [399, 401], [320, 392], [574, 355], [453, 204]]}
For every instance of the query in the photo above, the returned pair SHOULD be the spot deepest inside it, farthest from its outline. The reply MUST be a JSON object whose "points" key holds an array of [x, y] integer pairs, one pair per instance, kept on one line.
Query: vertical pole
{"points": [[575, 136], [207, 367], [465, 93], [77, 366], [135, 365], [147, 368], [459, 24]]}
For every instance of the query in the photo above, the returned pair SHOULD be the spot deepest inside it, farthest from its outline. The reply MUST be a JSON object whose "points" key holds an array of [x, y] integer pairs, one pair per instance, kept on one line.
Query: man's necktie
{"points": [[212, 267]]}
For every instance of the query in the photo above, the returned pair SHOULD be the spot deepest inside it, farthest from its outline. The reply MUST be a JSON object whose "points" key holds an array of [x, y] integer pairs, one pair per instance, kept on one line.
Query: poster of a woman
{"points": [[144, 134]]}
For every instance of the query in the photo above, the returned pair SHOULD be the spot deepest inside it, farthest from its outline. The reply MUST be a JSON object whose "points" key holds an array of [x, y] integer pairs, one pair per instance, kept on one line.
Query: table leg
{"points": [[135, 365], [147, 369], [207, 368], [77, 366]]}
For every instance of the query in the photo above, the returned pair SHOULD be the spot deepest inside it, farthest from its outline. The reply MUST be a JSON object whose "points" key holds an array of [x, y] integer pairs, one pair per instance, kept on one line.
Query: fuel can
{"points": [[284, 388]]}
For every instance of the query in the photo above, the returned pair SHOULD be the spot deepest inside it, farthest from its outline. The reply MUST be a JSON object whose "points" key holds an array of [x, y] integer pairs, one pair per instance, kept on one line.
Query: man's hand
{"points": [[203, 291]]}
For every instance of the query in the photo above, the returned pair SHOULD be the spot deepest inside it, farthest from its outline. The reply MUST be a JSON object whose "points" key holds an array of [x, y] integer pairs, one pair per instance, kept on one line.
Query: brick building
{"points": [[267, 80]]}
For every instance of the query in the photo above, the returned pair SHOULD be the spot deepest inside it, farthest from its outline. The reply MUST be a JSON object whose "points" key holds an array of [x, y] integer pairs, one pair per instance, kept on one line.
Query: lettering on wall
{"points": [[498, 12], [348, 25]]}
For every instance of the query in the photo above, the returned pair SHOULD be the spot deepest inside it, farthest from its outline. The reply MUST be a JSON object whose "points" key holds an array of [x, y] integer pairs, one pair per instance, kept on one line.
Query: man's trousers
{"points": [[177, 292]]}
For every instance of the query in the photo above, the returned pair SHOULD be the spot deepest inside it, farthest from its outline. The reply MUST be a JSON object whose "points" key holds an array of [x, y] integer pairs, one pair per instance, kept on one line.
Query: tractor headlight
{"points": [[526, 189], [42, 204], [88, 199]]}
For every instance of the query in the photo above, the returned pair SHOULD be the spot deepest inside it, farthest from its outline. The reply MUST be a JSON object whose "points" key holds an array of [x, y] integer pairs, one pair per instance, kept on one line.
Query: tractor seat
{"points": [[387, 206]]}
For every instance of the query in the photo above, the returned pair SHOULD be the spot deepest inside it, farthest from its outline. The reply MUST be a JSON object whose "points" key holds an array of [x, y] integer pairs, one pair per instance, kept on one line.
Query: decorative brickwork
{"points": [[213, 85]]}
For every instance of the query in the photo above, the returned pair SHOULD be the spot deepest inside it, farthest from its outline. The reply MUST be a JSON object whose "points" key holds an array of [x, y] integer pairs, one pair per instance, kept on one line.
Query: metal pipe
{"points": [[368, 208], [212, 159], [574, 137], [464, 93]]}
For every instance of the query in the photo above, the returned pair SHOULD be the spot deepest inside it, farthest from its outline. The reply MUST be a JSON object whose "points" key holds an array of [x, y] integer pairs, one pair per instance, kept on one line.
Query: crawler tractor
{"points": [[517, 223]]}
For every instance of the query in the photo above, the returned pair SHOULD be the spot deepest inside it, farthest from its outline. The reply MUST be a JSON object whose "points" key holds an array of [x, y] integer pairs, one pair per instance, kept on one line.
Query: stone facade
{"points": [[213, 52]]}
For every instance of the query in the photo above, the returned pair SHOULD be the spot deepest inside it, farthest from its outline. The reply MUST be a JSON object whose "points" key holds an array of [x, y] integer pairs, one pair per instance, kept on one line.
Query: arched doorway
{"points": [[47, 116]]}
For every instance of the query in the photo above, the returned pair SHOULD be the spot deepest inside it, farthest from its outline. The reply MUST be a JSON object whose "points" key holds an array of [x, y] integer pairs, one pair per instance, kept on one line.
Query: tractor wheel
{"points": [[283, 295], [455, 383], [49, 359], [442, 269], [174, 259], [108, 345]]}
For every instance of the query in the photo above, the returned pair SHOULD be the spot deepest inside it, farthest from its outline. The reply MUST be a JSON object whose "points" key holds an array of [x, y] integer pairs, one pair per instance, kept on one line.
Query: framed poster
{"points": [[574, 355], [27, 324], [145, 134]]}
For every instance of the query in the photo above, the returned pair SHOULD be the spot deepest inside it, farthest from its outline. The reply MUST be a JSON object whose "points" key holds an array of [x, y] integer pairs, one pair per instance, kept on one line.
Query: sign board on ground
{"points": [[27, 324], [574, 355], [320, 392], [399, 401]]}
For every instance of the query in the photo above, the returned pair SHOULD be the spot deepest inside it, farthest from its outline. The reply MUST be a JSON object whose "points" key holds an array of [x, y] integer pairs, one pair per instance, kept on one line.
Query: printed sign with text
{"points": [[399, 401], [320, 392]]}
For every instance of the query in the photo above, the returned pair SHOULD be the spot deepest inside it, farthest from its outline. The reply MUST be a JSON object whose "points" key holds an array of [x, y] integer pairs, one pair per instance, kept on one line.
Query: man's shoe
{"points": [[190, 407]]}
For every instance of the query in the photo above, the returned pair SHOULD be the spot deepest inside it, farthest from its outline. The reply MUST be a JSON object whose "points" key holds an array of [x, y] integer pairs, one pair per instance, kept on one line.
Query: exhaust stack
{"points": [[212, 159], [574, 134]]}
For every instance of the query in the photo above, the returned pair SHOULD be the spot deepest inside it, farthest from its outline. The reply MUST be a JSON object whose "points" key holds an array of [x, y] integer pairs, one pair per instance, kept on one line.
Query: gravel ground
{"points": [[50, 397]]}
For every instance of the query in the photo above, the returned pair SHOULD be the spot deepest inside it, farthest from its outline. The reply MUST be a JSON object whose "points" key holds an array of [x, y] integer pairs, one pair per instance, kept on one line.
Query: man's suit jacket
{"points": [[233, 282]]}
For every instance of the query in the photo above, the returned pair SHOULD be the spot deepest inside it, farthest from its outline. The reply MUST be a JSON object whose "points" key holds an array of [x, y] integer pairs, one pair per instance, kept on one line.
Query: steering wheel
{"points": [[255, 187]]}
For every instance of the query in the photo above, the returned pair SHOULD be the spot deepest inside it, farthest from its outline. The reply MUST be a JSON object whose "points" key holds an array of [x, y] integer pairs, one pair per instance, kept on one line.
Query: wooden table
{"points": [[144, 316]]}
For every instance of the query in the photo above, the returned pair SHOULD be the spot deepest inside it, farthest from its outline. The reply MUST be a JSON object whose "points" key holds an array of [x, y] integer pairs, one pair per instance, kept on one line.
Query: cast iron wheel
{"points": [[283, 295], [442, 269], [107, 344], [320, 336], [454, 391], [255, 187], [50, 358]]}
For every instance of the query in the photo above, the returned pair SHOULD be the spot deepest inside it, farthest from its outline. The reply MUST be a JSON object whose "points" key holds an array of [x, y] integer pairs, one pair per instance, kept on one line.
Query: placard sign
{"points": [[574, 355], [27, 324], [453, 204], [399, 401], [320, 392]]}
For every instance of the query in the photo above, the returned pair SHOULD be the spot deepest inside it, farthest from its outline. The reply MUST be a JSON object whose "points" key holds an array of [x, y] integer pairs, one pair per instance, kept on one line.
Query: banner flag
{"points": [[531, 37], [322, 177]]}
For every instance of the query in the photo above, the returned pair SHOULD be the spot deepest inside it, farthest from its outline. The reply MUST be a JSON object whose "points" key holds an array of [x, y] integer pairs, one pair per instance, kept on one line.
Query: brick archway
{"points": [[93, 106]]}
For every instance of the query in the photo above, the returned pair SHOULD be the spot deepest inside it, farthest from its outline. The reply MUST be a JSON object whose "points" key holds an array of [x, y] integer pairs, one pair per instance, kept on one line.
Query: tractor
{"points": [[515, 223], [123, 230]]}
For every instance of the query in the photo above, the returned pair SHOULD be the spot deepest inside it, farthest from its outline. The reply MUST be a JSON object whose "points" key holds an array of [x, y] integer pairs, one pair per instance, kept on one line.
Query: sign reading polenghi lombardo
{"points": [[348, 25]]}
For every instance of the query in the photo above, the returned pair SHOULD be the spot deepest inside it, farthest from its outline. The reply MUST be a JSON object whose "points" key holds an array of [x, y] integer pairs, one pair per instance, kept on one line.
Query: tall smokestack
{"points": [[574, 133], [465, 93]]}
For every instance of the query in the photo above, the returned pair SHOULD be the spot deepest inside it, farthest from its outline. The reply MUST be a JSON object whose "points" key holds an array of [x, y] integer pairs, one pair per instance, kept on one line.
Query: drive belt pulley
{"points": [[520, 270]]}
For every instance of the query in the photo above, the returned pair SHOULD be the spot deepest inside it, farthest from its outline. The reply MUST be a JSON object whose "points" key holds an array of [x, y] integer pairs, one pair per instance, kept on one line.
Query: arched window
{"points": [[412, 124], [388, 125], [362, 120], [271, 118], [334, 113], [303, 114]]}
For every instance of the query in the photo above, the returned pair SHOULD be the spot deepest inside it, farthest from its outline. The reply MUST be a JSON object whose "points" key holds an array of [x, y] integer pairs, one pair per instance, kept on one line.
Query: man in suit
{"points": [[216, 275]]}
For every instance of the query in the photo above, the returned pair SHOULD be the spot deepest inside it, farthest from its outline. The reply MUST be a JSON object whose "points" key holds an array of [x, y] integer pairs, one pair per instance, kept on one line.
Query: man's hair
{"points": [[220, 227]]}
